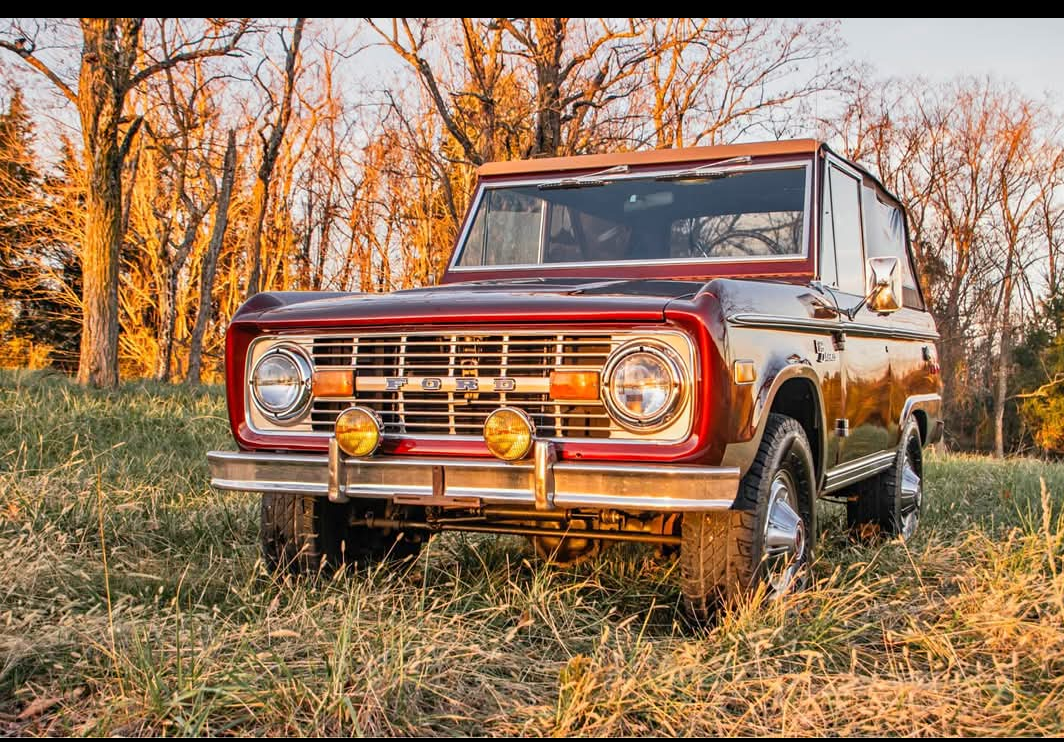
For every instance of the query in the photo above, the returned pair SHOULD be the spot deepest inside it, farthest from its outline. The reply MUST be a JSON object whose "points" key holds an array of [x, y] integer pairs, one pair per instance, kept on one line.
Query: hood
{"points": [[526, 299]]}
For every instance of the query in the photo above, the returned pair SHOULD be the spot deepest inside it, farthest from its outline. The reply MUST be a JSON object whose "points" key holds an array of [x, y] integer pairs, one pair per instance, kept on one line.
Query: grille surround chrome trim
{"points": [[552, 419]]}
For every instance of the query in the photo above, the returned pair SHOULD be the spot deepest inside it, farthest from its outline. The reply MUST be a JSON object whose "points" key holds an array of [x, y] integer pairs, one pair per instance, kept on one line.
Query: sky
{"points": [[1026, 51]]}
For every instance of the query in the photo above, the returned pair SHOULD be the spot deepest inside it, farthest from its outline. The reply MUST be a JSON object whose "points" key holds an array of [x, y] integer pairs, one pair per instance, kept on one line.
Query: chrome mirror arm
{"points": [[852, 311]]}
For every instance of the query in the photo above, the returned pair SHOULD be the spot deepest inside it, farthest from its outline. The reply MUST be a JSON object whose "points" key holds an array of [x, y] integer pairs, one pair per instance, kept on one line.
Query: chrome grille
{"points": [[517, 355]]}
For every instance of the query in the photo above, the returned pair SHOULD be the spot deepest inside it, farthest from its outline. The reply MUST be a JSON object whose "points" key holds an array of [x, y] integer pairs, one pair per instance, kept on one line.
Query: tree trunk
{"points": [[106, 59], [305, 279], [1000, 390], [98, 365], [254, 238], [1004, 360], [166, 325], [168, 298], [210, 262], [550, 37], [271, 147]]}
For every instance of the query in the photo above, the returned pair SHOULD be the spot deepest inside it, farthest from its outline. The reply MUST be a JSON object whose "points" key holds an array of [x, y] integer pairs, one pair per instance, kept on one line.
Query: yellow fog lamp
{"points": [[509, 433], [358, 431]]}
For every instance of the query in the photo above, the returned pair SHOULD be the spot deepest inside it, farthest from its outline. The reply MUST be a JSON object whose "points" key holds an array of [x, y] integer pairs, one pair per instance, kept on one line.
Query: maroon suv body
{"points": [[688, 347]]}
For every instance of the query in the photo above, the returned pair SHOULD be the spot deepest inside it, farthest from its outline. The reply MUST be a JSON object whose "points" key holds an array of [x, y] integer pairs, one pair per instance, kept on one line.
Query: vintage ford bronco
{"points": [[682, 347]]}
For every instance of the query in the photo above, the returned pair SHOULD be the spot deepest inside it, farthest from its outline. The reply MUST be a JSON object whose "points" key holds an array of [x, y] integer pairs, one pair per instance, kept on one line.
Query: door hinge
{"points": [[842, 427]]}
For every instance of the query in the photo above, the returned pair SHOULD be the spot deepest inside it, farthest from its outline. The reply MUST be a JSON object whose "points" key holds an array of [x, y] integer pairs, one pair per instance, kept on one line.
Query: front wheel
{"points": [[303, 535], [766, 540]]}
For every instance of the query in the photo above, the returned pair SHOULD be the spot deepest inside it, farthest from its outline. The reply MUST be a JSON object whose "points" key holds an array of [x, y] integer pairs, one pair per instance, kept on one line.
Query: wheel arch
{"points": [[795, 391], [800, 399], [921, 423], [926, 409]]}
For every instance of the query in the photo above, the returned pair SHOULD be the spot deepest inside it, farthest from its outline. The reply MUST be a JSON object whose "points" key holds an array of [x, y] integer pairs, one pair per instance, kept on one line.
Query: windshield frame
{"points": [[793, 263]]}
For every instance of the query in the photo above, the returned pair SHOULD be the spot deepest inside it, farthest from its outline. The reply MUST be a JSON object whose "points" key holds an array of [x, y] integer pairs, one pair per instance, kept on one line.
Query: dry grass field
{"points": [[133, 602]]}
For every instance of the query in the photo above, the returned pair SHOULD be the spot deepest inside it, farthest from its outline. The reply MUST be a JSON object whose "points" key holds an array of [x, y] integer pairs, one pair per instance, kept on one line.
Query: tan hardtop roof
{"points": [[651, 157]]}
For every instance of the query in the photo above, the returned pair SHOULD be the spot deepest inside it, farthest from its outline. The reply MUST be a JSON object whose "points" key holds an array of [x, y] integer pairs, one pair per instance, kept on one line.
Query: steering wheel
{"points": [[775, 248]]}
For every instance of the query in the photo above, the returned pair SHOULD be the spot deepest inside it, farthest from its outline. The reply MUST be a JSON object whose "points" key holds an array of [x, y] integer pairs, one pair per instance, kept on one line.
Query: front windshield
{"points": [[734, 216]]}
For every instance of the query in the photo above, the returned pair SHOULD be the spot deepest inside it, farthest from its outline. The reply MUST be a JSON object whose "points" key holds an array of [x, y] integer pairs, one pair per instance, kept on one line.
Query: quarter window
{"points": [[829, 273], [846, 231]]}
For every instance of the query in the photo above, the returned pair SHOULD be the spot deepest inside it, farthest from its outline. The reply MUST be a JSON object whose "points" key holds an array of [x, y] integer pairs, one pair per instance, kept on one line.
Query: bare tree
{"points": [[111, 50], [210, 260], [183, 155], [978, 166], [271, 144], [1025, 173], [712, 80]]}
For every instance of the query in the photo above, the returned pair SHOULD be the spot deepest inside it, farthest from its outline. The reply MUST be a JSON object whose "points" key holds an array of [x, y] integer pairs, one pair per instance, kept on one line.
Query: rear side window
{"points": [[885, 237], [842, 233]]}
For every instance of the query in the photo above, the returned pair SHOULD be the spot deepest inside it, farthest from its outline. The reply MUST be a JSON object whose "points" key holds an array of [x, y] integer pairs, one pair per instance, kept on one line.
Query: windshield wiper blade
{"points": [[585, 181], [708, 172]]}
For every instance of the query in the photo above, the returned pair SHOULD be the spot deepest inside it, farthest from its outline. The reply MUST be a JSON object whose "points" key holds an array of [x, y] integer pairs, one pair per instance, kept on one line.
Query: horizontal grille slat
{"points": [[517, 355]]}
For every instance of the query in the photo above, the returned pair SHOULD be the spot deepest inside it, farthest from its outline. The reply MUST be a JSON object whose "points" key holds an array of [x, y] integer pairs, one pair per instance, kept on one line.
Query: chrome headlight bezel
{"points": [[677, 387], [297, 409]]}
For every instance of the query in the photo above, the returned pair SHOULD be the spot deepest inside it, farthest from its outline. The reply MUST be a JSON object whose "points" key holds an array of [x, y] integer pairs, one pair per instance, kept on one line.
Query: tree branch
{"points": [[428, 79], [1043, 390], [127, 141], [26, 52], [220, 51]]}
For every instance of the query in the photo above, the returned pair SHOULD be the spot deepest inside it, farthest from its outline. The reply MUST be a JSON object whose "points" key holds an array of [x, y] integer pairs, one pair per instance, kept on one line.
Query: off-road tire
{"points": [[304, 535], [875, 508], [721, 553], [703, 562]]}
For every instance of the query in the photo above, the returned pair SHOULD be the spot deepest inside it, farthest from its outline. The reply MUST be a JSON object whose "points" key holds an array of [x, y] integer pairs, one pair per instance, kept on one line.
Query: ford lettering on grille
{"points": [[446, 383]]}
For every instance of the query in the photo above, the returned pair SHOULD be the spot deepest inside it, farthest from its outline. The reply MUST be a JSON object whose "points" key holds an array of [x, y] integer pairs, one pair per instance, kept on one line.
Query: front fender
{"points": [[773, 376]]}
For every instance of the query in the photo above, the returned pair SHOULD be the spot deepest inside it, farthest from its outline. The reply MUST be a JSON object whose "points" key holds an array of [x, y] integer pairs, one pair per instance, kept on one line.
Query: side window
{"points": [[885, 237], [846, 229]]}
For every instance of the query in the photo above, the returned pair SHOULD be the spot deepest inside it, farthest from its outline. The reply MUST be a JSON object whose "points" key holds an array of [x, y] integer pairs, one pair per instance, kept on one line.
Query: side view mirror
{"points": [[884, 290]]}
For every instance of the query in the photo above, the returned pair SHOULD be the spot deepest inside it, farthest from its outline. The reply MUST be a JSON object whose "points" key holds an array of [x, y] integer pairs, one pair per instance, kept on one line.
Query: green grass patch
{"points": [[960, 631]]}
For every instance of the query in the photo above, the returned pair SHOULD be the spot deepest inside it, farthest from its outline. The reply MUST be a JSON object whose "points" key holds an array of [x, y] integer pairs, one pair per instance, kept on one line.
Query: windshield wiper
{"points": [[711, 171], [585, 181]]}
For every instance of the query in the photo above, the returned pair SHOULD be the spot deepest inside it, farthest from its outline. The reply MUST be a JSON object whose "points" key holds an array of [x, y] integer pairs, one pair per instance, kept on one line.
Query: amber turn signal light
{"points": [[574, 385], [334, 383], [358, 431], [509, 433], [745, 372]]}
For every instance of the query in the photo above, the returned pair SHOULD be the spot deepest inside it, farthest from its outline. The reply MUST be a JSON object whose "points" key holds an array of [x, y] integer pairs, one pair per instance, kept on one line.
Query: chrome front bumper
{"points": [[542, 482]]}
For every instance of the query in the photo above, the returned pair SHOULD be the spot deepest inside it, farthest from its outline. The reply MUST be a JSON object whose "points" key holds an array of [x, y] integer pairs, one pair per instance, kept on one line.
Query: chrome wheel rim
{"points": [[783, 536], [912, 495]]}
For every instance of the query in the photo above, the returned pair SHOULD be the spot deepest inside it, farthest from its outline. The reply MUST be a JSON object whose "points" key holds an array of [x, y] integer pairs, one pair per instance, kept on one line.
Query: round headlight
{"points": [[643, 386], [280, 384]]}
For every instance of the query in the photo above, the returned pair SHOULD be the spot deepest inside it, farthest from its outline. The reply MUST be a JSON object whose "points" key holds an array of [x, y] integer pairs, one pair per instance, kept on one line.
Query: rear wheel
{"points": [[890, 504], [304, 535], [767, 538]]}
